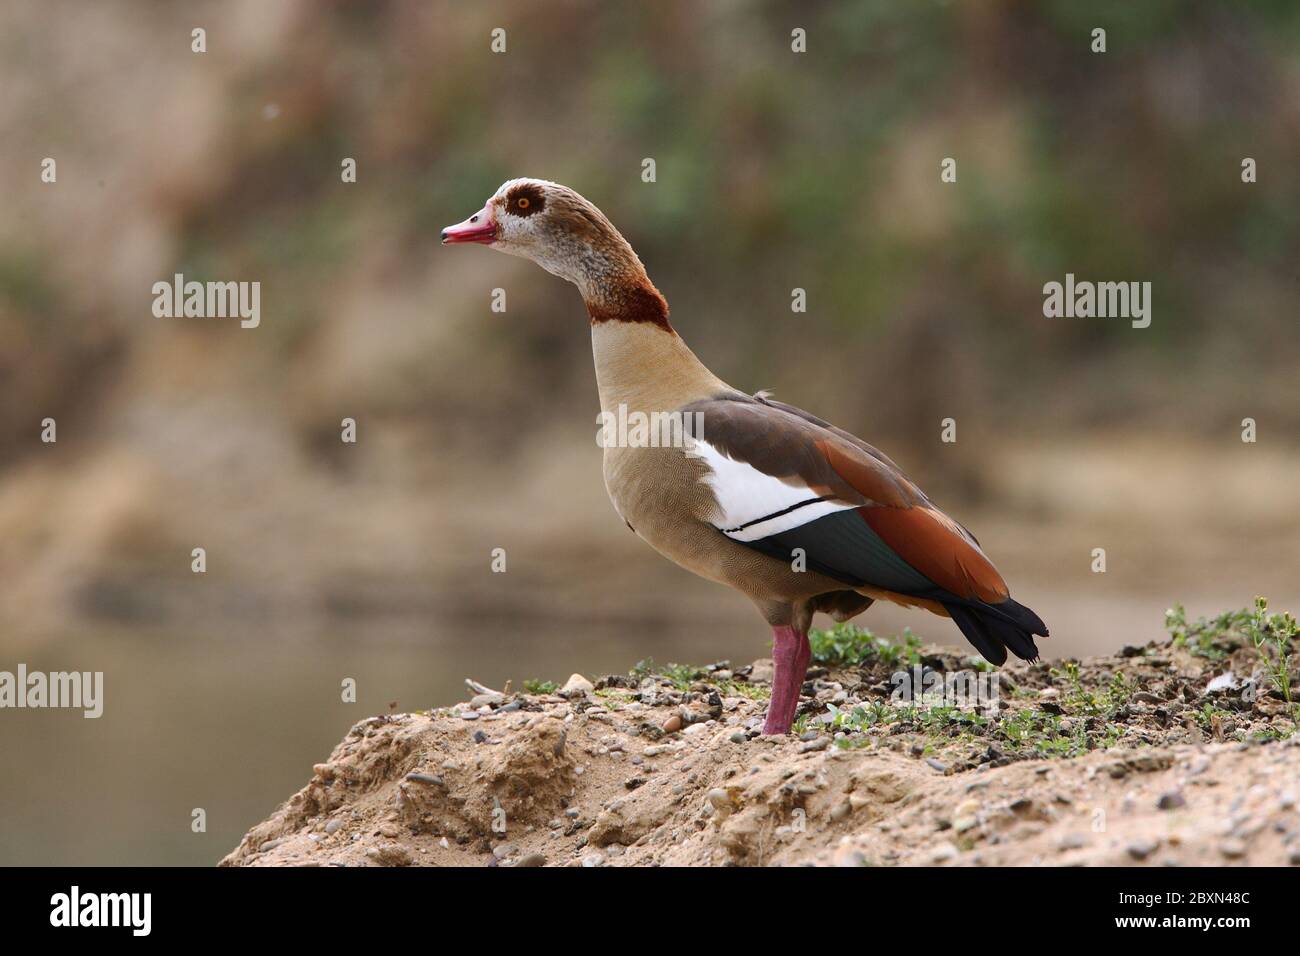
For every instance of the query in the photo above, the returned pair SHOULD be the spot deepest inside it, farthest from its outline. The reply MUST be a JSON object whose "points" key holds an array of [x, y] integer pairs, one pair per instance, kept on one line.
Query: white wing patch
{"points": [[756, 505]]}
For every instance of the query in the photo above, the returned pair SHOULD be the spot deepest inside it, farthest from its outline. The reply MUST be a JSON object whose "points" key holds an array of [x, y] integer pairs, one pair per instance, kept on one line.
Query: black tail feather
{"points": [[995, 628]]}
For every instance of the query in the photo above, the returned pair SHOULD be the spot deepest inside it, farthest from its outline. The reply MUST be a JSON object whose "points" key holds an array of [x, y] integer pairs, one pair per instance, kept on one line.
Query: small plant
{"points": [[847, 645], [1273, 637], [540, 687], [735, 688], [1103, 703], [681, 676], [1212, 639]]}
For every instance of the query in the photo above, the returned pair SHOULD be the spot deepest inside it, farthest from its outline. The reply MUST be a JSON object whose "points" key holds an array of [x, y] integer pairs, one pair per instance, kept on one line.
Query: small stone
{"points": [[821, 743], [1171, 800], [945, 853], [1073, 841], [1199, 764], [427, 778], [576, 686], [389, 855], [1141, 849], [937, 764], [849, 856], [1232, 848], [468, 715], [333, 826], [672, 724], [738, 737], [532, 859]]}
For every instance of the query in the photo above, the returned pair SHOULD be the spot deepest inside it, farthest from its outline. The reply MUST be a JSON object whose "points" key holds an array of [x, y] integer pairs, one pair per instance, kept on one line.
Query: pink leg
{"points": [[791, 653]]}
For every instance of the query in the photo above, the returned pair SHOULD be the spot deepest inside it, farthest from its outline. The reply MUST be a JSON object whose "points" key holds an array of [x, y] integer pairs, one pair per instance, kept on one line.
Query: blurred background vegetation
{"points": [[775, 170]]}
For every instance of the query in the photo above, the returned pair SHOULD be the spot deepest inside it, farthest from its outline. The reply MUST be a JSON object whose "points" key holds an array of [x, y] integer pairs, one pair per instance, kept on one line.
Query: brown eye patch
{"points": [[524, 200]]}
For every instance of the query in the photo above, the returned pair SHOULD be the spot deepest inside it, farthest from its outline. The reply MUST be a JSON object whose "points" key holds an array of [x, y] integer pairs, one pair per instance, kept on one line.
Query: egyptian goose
{"points": [[795, 513]]}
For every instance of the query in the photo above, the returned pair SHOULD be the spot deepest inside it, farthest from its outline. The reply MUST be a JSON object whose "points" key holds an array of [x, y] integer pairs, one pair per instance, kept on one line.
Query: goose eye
{"points": [[522, 202]]}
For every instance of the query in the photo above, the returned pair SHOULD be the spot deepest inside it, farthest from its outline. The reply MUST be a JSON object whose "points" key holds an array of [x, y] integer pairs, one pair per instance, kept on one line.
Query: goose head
{"points": [[557, 229]]}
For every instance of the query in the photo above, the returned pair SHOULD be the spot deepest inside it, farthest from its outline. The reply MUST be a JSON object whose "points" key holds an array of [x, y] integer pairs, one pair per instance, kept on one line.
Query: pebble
{"points": [[576, 686], [672, 724], [389, 855], [428, 778], [1141, 849], [532, 859], [849, 856], [821, 743], [1073, 841], [333, 826], [468, 715], [945, 853], [1232, 848], [938, 765], [1171, 800]]}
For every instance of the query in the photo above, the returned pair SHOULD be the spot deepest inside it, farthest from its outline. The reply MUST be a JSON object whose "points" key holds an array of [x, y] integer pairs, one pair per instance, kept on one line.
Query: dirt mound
{"points": [[1180, 752]]}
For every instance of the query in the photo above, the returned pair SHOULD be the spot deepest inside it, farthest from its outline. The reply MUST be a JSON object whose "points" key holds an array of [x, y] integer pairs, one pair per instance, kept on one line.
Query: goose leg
{"points": [[791, 653]]}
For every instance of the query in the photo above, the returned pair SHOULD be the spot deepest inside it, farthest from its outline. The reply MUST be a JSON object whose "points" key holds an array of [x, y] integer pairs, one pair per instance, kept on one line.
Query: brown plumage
{"points": [[797, 514]]}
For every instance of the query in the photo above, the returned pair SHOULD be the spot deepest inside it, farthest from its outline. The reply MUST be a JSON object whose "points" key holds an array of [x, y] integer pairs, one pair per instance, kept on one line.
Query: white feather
{"points": [[746, 495]]}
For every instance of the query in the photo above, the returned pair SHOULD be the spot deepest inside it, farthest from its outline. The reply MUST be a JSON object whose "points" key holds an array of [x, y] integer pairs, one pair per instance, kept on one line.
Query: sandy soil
{"points": [[1158, 756]]}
